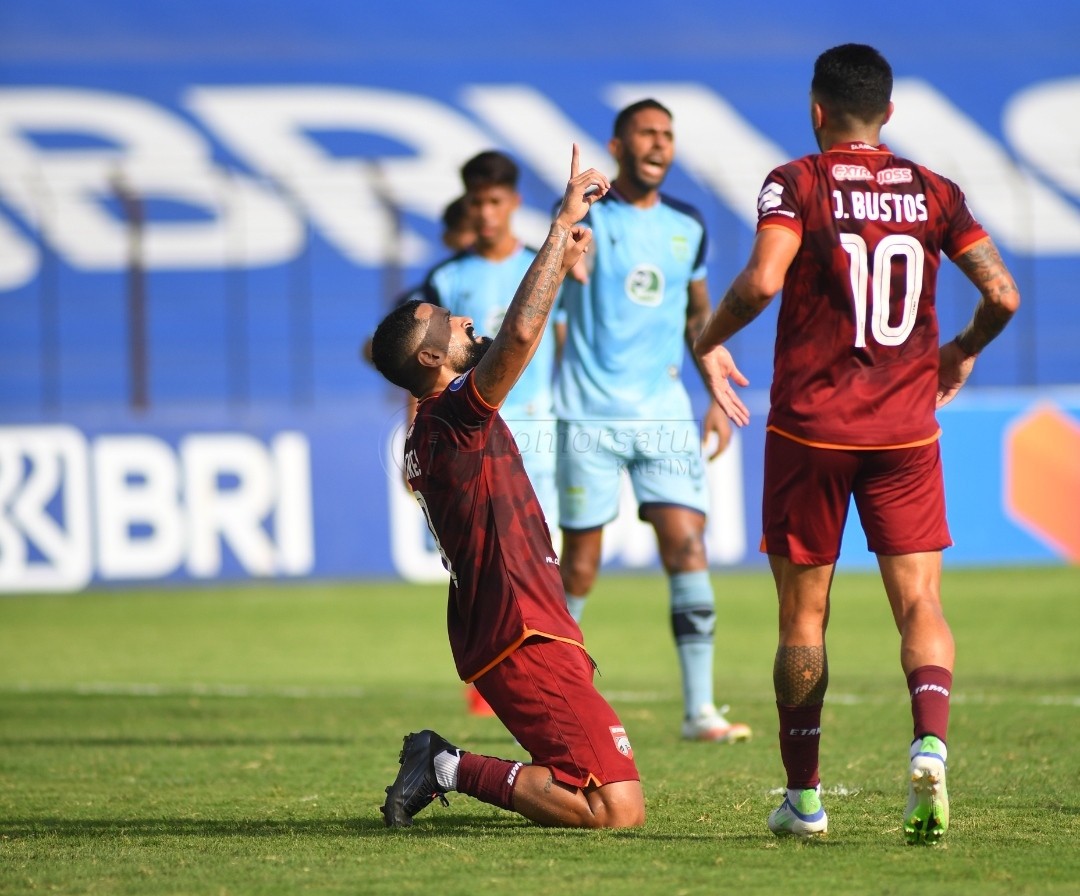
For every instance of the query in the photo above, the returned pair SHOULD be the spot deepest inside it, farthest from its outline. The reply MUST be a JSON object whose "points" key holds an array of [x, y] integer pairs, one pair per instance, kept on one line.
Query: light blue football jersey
{"points": [[476, 287], [626, 327]]}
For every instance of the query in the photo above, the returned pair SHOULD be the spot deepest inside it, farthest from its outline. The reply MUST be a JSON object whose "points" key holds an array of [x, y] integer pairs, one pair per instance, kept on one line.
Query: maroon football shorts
{"points": [[543, 693], [899, 493]]}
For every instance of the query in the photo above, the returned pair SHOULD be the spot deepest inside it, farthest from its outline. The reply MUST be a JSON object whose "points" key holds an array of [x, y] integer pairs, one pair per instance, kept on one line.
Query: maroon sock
{"points": [[929, 687], [800, 737], [488, 779]]}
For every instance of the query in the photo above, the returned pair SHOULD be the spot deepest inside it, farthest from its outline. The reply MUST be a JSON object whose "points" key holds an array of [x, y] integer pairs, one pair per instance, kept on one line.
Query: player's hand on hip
{"points": [[954, 367], [582, 190]]}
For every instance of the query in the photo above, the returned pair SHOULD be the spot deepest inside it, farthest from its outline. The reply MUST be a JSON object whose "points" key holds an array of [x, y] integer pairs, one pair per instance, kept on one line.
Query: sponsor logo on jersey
{"points": [[459, 382], [645, 285], [851, 172], [622, 742], [769, 197], [888, 176]]}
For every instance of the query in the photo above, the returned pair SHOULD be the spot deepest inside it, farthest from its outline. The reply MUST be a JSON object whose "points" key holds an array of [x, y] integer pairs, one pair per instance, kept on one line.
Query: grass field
{"points": [[233, 741]]}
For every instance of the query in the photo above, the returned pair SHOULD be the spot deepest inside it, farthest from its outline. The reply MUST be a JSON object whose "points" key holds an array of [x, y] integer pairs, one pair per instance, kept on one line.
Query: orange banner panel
{"points": [[1042, 477]]}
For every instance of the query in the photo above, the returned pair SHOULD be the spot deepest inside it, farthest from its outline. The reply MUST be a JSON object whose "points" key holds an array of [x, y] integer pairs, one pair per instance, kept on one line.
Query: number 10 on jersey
{"points": [[874, 292]]}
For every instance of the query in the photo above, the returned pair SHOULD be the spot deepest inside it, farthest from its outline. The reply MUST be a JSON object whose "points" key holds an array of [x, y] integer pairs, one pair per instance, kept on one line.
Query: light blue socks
{"points": [[576, 607], [693, 622]]}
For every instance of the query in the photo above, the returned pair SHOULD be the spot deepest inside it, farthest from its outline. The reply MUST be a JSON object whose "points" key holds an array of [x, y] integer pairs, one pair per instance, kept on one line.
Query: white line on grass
{"points": [[209, 689], [198, 689]]}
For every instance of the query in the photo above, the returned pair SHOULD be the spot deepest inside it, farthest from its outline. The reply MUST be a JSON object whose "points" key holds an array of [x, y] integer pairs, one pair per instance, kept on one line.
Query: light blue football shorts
{"points": [[663, 458], [536, 440]]}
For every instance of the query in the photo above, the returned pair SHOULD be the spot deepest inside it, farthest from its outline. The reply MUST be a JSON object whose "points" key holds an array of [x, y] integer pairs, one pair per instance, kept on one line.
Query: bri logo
{"points": [[922, 688]]}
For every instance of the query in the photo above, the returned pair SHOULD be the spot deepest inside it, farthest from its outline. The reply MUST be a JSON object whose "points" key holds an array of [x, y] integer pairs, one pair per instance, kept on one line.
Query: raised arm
{"points": [[998, 301], [525, 320]]}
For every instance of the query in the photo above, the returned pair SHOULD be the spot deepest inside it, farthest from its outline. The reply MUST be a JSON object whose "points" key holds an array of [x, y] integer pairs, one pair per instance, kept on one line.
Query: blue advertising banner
{"points": [[196, 496], [287, 165], [206, 207]]}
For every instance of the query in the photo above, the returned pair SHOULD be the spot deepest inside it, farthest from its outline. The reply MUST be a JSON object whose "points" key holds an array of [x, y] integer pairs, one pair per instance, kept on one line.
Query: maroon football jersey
{"points": [[856, 355], [467, 475]]}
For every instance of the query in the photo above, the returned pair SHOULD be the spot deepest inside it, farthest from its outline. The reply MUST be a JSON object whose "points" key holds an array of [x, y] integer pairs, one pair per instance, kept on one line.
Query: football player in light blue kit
{"points": [[479, 283], [621, 403]]}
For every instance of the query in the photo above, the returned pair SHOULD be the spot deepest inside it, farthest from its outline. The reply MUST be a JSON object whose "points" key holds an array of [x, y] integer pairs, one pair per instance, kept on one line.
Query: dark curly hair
{"points": [[394, 345], [624, 116], [490, 169], [853, 80]]}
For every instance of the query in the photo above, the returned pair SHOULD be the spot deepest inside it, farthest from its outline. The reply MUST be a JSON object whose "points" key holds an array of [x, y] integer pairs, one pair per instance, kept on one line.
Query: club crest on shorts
{"points": [[622, 742]]}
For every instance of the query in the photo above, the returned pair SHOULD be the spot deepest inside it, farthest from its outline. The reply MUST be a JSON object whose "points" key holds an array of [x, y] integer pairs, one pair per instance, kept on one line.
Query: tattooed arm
{"points": [[525, 320], [999, 299], [774, 250]]}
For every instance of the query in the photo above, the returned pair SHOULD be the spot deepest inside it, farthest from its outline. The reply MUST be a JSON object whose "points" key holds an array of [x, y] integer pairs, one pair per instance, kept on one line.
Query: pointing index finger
{"points": [[574, 163]]}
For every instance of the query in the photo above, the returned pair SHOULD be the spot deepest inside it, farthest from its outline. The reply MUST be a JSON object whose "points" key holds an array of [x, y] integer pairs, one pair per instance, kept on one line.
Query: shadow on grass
{"points": [[206, 827], [442, 828]]}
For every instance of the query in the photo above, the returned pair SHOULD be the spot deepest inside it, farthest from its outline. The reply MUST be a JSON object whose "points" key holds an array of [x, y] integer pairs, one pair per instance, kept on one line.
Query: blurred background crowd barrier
{"points": [[204, 212]]}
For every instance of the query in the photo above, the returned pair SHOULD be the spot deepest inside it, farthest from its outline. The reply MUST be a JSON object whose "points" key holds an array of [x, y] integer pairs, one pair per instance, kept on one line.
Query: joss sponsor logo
{"points": [[887, 176]]}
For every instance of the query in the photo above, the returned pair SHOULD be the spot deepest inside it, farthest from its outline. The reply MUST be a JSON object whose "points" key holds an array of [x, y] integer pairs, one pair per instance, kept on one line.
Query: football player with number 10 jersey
{"points": [[854, 236]]}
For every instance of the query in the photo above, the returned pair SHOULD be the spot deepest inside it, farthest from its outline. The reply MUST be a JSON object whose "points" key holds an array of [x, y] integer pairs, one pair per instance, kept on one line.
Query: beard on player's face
{"points": [[646, 173], [470, 354]]}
